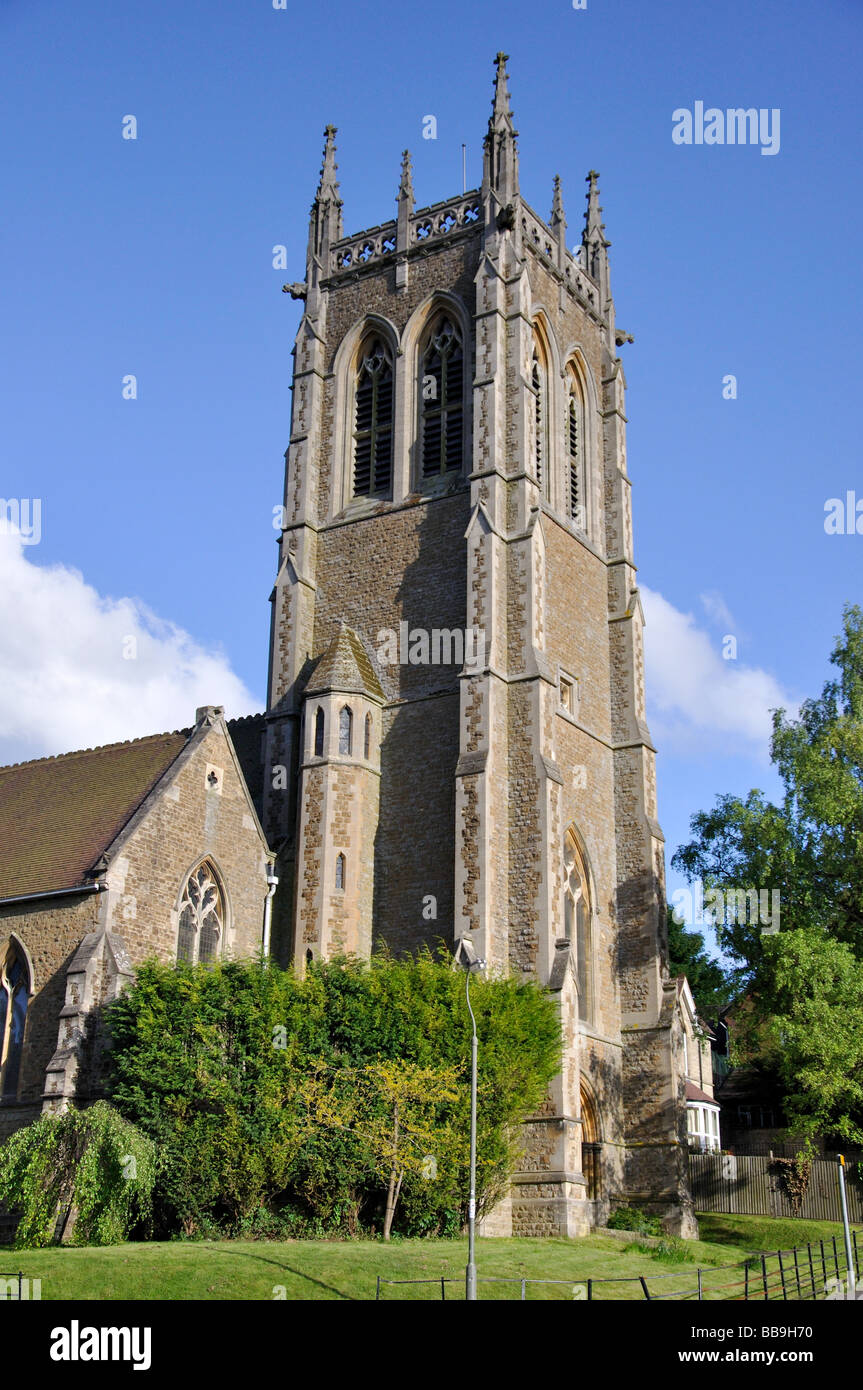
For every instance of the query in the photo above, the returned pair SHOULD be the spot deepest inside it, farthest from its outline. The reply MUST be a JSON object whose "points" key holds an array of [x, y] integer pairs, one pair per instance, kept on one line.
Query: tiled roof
{"points": [[694, 1092], [58, 815]]}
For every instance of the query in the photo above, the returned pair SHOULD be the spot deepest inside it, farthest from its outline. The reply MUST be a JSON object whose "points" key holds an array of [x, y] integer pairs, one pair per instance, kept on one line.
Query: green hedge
{"points": [[230, 1068]]}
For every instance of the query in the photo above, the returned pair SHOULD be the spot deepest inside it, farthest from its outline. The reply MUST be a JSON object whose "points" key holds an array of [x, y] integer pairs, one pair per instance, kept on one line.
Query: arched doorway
{"points": [[591, 1145]]}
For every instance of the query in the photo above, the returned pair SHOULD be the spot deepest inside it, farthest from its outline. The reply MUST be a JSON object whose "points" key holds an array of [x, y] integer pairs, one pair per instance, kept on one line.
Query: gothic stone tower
{"points": [[457, 464]]}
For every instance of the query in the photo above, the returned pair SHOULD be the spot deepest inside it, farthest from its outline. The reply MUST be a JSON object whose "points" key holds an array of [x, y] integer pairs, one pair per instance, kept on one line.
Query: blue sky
{"points": [[154, 257]]}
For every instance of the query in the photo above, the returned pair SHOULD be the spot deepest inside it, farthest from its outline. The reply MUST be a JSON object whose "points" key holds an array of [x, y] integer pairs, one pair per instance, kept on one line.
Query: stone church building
{"points": [[109, 856], [455, 742]]}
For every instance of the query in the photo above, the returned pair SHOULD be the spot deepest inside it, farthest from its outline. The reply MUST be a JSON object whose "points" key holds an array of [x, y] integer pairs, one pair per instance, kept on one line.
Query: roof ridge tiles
{"points": [[97, 748]]}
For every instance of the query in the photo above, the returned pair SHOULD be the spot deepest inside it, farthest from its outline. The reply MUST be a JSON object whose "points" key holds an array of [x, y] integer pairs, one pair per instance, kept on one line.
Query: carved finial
{"points": [[502, 108], [593, 239], [557, 214], [328, 181], [593, 225], [406, 185]]}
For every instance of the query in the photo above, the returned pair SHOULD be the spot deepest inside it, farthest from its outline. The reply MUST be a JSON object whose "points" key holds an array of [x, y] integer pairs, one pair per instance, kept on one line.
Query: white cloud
{"points": [[698, 702], [718, 611], [65, 682]]}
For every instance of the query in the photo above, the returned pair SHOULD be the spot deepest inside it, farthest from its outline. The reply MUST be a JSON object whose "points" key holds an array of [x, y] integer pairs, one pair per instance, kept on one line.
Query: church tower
{"points": [[456, 740]]}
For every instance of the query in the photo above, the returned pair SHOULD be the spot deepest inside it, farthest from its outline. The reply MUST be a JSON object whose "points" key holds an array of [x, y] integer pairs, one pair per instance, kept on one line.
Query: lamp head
{"points": [[466, 956]]}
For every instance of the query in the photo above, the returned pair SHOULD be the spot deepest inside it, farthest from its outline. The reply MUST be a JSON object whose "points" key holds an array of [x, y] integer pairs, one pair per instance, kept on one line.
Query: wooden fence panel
{"points": [[751, 1184]]}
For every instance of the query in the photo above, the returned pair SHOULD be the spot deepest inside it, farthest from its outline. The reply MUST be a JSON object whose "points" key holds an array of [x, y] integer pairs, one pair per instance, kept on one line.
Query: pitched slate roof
{"points": [[58, 815], [344, 666]]}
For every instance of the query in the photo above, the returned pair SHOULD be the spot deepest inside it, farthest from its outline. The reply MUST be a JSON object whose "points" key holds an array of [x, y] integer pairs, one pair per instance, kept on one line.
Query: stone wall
{"points": [[51, 930]]}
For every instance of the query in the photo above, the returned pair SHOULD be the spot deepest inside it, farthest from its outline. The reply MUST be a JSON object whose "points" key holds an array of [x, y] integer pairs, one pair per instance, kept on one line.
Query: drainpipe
{"points": [[272, 885]]}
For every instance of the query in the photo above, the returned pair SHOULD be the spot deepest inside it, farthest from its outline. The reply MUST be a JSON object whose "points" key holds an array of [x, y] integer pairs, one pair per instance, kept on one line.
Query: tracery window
{"points": [[202, 916], [14, 994], [346, 726], [442, 401], [373, 423], [577, 924]]}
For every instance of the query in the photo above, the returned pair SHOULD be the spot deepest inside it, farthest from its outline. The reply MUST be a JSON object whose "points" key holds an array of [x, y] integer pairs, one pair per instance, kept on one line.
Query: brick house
{"points": [[109, 856]]}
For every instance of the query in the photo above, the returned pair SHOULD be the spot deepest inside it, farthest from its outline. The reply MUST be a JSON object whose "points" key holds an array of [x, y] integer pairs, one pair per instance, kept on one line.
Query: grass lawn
{"points": [[769, 1233], [308, 1269]]}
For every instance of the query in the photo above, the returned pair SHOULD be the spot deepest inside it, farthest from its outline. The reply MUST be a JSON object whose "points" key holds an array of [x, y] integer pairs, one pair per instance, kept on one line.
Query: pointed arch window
{"points": [[340, 873], [15, 986], [577, 922], [442, 400], [319, 733], [346, 729], [367, 740], [202, 916], [539, 389], [576, 499], [373, 421]]}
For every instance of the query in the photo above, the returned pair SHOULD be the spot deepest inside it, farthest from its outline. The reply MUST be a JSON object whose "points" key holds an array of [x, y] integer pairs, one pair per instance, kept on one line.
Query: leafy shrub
{"points": [[86, 1176], [248, 1078], [634, 1219], [672, 1249]]}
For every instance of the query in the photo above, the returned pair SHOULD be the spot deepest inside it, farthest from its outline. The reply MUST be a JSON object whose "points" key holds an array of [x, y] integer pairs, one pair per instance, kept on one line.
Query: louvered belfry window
{"points": [[373, 429], [537, 381], [442, 401], [574, 449]]}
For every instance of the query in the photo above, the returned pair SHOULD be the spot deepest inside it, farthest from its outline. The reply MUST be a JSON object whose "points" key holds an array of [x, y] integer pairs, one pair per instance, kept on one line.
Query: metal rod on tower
{"points": [[464, 168]]}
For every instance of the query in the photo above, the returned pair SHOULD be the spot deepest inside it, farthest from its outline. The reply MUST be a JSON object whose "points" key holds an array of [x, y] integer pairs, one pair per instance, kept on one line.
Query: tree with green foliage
{"points": [[84, 1176], [213, 1063], [709, 982], [804, 983], [193, 1063], [395, 1109], [805, 1026]]}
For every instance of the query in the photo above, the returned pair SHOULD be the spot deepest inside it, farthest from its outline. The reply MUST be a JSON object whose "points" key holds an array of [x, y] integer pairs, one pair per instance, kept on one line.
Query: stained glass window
{"points": [[14, 996], [577, 925], [202, 916]]}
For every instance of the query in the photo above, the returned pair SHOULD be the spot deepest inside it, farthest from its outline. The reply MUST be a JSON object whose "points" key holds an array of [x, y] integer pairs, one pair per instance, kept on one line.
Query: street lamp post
{"points": [[468, 959], [849, 1256]]}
